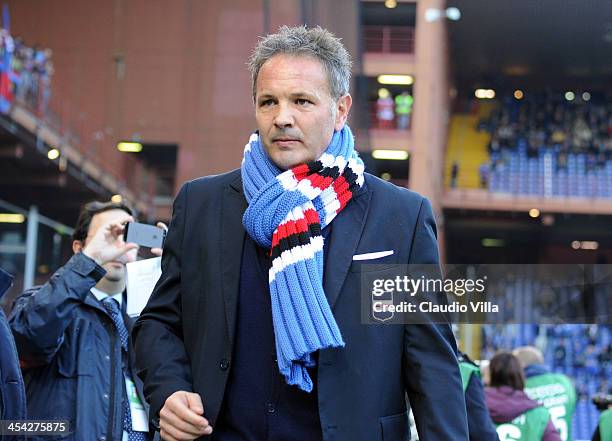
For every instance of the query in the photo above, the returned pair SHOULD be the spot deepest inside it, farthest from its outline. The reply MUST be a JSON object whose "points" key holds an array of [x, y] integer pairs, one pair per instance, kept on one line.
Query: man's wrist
{"points": [[85, 265], [93, 256]]}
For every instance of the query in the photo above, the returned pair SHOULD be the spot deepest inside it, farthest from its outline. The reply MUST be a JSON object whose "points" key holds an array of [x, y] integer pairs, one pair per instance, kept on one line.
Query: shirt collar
{"points": [[100, 295]]}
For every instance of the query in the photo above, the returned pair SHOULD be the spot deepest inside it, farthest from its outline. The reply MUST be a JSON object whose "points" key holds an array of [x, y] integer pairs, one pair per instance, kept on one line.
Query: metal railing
{"points": [[69, 122], [388, 39]]}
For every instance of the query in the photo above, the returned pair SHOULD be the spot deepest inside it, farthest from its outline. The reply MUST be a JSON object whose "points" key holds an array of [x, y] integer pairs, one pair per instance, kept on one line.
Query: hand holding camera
{"points": [[108, 245]]}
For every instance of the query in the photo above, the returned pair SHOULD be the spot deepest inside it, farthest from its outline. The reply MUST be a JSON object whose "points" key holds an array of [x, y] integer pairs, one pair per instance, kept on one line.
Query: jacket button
{"points": [[224, 364], [271, 408]]}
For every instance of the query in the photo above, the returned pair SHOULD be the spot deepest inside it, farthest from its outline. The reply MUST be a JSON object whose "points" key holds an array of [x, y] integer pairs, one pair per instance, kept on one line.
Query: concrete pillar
{"points": [[431, 109]]}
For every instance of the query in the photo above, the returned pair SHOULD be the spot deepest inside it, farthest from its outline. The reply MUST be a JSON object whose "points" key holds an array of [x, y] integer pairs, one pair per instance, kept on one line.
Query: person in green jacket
{"points": [[516, 416], [554, 391], [603, 431], [403, 109]]}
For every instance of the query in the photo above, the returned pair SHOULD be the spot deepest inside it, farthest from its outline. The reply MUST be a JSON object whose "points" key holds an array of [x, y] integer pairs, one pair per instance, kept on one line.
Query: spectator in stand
{"points": [[605, 356], [506, 133], [494, 146], [25, 74], [454, 174], [45, 70], [562, 161], [37, 59], [515, 415], [384, 109], [608, 148], [558, 135], [581, 135], [483, 171], [532, 147], [6, 76], [403, 109], [591, 161], [23, 71]]}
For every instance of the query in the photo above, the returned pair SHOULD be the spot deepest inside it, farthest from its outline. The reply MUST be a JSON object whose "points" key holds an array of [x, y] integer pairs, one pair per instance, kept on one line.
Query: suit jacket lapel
{"points": [[232, 240], [346, 232]]}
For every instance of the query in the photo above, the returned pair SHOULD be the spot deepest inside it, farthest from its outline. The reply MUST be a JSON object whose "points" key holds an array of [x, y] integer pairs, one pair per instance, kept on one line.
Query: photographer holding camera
{"points": [[72, 335]]}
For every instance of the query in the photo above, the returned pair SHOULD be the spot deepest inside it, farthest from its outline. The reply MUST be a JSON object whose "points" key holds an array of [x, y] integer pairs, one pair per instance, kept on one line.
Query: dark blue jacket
{"points": [[479, 421], [186, 335], [12, 393], [71, 353]]}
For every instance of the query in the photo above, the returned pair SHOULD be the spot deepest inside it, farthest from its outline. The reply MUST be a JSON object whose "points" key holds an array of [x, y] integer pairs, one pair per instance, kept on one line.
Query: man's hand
{"points": [[181, 418], [158, 251], [107, 243]]}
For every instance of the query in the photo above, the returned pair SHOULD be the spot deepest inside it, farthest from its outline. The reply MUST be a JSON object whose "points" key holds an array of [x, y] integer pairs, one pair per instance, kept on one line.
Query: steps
{"points": [[467, 146]]}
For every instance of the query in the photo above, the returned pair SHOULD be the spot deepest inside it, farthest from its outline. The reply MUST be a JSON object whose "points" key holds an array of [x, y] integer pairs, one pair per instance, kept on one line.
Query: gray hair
{"points": [[317, 43]]}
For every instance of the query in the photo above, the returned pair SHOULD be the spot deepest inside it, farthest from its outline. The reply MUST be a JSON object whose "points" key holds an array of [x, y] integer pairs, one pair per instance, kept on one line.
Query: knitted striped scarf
{"points": [[286, 213]]}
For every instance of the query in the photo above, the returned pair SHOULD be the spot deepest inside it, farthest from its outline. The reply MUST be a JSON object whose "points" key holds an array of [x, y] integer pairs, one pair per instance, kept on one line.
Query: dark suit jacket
{"points": [[184, 337]]}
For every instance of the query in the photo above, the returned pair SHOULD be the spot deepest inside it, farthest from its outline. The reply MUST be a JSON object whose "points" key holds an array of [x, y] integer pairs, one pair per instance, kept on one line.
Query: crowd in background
{"points": [[25, 74], [531, 128], [566, 127], [548, 146]]}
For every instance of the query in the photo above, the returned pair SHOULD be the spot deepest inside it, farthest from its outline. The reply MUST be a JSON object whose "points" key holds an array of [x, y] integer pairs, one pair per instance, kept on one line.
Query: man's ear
{"points": [[343, 106], [77, 246]]}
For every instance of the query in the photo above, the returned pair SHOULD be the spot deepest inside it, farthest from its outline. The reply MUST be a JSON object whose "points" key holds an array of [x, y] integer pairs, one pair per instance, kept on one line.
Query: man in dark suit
{"points": [[254, 329]]}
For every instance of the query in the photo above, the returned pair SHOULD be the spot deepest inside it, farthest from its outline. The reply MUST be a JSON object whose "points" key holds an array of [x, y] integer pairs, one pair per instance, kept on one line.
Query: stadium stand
{"points": [[467, 146], [25, 74], [550, 147]]}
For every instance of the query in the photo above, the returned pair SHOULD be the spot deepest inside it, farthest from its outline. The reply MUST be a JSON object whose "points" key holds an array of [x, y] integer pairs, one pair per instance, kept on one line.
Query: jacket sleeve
{"points": [[479, 420], [161, 358], [550, 433], [432, 375], [40, 316]]}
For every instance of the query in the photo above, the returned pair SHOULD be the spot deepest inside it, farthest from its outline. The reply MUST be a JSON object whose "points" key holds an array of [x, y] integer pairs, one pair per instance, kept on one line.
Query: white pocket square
{"points": [[370, 256]]}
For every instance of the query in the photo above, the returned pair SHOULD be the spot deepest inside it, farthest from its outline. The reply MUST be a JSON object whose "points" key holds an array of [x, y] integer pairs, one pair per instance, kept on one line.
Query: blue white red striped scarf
{"points": [[286, 213]]}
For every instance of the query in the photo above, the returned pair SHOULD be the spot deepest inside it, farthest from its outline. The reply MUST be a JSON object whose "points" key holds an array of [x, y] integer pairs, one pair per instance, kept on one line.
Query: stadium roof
{"points": [[552, 42]]}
